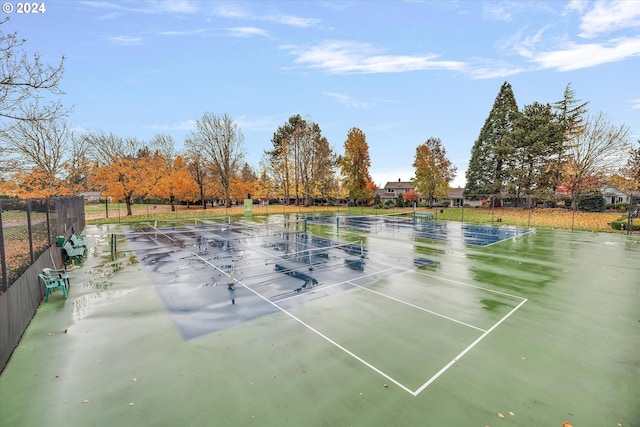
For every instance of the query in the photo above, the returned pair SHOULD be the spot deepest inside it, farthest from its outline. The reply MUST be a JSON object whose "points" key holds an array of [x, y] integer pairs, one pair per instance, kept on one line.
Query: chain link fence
{"points": [[28, 227]]}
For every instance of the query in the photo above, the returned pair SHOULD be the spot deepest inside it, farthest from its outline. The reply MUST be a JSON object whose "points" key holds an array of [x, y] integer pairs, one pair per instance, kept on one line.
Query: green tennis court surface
{"points": [[342, 325]]}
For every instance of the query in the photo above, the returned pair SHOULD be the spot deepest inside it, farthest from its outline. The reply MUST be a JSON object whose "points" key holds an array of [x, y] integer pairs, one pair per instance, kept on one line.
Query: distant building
{"points": [[392, 189], [458, 200], [91, 196]]}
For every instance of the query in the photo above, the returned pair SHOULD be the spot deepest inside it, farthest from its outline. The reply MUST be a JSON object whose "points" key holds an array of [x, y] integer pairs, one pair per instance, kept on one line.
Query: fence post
{"points": [[4, 282], [49, 240], [30, 230]]}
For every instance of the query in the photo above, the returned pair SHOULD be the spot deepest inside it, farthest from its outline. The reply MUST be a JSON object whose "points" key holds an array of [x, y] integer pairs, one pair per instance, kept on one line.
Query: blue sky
{"points": [[402, 72]]}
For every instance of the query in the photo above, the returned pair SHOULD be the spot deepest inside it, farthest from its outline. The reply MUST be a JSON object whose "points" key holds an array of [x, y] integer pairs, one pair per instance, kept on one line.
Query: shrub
{"points": [[591, 202], [622, 223]]}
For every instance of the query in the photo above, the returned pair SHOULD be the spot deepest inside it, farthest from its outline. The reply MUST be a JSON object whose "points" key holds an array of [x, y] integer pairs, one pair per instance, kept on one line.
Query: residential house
{"points": [[392, 189], [612, 195], [458, 200]]}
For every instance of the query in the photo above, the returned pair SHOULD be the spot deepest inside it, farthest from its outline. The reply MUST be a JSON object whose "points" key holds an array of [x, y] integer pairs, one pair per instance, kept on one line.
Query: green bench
{"points": [[74, 252], [77, 241], [428, 216]]}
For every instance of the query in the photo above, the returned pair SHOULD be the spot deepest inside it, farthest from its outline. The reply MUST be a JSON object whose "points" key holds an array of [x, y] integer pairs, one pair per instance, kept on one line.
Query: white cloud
{"points": [[498, 12], [184, 125], [147, 7], [339, 57], [574, 56], [125, 40], [347, 101], [635, 104], [246, 32], [608, 16], [179, 6], [261, 124], [522, 45], [235, 11], [495, 70], [294, 21], [196, 32]]}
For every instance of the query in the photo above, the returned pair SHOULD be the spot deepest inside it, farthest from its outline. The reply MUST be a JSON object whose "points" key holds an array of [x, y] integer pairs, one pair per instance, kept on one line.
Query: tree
{"points": [[411, 196], [79, 166], [25, 83], [354, 166], [323, 167], [166, 183], [433, 171], [316, 161], [490, 152], [537, 137], [221, 143], [39, 146], [301, 163], [282, 158], [124, 166], [596, 153], [571, 114], [185, 188], [630, 172], [244, 184], [197, 169]]}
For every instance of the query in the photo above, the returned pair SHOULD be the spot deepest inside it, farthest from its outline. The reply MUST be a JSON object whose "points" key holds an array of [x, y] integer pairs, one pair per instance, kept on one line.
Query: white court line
{"points": [[336, 284], [463, 352], [416, 306], [471, 286], [508, 238], [350, 353], [371, 260], [369, 365]]}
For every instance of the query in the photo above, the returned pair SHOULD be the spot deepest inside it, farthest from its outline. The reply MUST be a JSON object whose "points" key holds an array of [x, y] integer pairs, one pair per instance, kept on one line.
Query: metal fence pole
{"points": [[49, 240], [3, 261], [30, 230]]}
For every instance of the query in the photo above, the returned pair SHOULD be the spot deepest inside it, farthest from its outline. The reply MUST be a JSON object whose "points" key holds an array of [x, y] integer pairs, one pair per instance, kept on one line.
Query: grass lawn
{"points": [[533, 218]]}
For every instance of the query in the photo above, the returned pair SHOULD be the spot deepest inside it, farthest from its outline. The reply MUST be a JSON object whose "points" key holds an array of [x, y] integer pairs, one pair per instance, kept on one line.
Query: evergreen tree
{"points": [[490, 152], [571, 115], [536, 137]]}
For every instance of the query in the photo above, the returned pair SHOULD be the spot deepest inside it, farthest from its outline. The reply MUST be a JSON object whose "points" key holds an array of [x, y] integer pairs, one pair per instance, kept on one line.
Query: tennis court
{"points": [[333, 320]]}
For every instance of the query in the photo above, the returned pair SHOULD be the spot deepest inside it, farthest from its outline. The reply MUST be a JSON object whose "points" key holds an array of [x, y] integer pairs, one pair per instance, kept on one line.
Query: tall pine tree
{"points": [[485, 175], [571, 113], [536, 137]]}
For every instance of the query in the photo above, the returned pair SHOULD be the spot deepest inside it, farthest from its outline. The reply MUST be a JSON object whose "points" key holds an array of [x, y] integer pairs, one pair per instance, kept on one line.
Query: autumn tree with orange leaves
{"points": [[433, 171], [354, 166], [126, 168]]}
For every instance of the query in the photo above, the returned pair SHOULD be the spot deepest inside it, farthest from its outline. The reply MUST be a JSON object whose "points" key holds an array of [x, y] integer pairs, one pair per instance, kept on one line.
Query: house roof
{"points": [[456, 193], [399, 184]]}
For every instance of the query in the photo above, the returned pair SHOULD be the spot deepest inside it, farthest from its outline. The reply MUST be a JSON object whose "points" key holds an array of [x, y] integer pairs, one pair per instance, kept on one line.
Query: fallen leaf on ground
{"points": [[500, 415], [131, 404], [567, 424], [512, 414]]}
